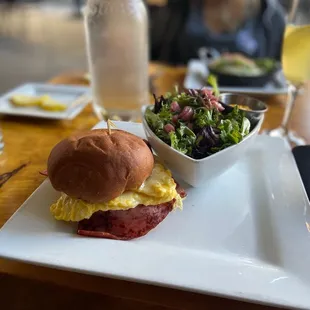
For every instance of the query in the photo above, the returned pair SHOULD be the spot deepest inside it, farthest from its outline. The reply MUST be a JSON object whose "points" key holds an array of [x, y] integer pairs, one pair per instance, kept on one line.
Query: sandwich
{"points": [[111, 185]]}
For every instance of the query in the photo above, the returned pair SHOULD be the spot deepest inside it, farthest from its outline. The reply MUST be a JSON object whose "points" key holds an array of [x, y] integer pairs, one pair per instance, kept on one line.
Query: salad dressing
{"points": [[243, 107]]}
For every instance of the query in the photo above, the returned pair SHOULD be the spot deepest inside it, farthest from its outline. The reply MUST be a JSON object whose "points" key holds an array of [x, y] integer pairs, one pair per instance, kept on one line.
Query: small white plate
{"points": [[243, 236], [63, 93], [196, 70]]}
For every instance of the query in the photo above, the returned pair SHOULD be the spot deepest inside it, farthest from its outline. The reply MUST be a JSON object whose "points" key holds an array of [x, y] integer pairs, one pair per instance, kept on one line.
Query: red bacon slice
{"points": [[126, 225]]}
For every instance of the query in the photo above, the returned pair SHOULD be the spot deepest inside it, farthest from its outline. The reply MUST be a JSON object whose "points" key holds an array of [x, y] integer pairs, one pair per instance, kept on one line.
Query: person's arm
{"points": [[275, 31], [281, 29], [158, 20], [165, 26]]}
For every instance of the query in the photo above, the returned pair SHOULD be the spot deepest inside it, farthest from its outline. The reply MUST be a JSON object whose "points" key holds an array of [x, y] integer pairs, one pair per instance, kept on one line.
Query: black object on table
{"points": [[302, 158]]}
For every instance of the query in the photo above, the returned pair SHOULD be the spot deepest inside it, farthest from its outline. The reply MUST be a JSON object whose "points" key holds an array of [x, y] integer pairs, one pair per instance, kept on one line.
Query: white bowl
{"points": [[197, 172]]}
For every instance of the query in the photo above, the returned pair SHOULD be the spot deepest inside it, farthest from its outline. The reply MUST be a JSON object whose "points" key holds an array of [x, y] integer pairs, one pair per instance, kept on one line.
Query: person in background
{"points": [[253, 28], [78, 8]]}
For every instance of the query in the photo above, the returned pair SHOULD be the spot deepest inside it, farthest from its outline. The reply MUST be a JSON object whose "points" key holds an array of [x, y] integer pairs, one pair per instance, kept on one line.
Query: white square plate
{"points": [[196, 70], [66, 94], [244, 236]]}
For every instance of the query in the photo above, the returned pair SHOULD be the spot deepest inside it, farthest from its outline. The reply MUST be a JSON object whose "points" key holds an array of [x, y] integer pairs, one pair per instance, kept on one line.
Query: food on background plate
{"points": [[44, 102], [239, 65], [111, 185], [25, 101], [195, 123], [49, 104]]}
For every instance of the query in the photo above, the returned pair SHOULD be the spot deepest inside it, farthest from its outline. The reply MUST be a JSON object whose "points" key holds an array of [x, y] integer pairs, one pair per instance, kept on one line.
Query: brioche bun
{"points": [[98, 167]]}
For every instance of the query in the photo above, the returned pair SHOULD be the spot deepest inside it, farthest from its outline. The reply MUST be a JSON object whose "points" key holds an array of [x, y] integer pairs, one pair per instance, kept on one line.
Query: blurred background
{"points": [[40, 39]]}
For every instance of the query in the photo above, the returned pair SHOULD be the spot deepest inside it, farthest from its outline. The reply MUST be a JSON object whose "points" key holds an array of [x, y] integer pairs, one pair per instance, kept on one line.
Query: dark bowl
{"points": [[251, 81]]}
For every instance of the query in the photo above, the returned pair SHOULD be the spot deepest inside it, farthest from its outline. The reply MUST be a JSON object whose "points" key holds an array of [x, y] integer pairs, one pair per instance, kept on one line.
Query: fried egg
{"points": [[158, 188]]}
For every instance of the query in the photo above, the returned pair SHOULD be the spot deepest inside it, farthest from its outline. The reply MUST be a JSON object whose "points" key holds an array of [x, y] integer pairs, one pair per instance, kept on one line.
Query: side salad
{"points": [[195, 123]]}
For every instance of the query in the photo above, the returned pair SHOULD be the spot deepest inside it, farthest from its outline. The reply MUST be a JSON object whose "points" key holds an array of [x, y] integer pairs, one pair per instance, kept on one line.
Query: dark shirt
{"points": [[178, 31]]}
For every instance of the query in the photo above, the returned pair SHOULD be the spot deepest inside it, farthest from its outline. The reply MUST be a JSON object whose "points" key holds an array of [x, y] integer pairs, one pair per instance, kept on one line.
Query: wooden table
{"points": [[29, 287]]}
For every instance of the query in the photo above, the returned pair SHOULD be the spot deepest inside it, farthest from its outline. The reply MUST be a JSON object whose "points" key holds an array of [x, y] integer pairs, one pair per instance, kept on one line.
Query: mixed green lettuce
{"points": [[194, 123]]}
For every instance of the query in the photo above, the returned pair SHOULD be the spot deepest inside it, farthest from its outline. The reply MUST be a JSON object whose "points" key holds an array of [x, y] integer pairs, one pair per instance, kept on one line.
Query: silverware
{"points": [[6, 176]]}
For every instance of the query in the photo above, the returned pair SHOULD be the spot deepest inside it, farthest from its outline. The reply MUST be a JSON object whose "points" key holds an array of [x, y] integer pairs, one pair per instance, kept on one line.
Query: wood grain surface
{"points": [[29, 141]]}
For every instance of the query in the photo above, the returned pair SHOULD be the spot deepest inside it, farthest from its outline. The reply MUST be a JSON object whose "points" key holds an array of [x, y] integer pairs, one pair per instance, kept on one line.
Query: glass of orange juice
{"points": [[295, 63]]}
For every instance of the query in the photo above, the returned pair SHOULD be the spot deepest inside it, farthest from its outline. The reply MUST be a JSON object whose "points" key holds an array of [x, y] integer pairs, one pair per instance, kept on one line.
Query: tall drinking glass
{"points": [[295, 63], [117, 46]]}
